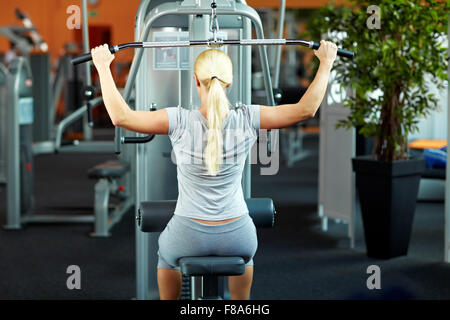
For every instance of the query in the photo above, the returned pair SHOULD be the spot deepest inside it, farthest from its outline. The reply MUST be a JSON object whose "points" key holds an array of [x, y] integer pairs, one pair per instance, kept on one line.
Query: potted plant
{"points": [[396, 44]]}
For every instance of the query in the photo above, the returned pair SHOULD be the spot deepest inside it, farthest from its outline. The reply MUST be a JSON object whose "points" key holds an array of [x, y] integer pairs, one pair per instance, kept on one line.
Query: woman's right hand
{"points": [[102, 57], [326, 52]]}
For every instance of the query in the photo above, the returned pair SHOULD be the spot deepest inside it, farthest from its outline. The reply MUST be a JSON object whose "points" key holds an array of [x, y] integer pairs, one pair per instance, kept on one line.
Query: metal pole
{"points": [[87, 131], [276, 74], [141, 238], [247, 99], [13, 213]]}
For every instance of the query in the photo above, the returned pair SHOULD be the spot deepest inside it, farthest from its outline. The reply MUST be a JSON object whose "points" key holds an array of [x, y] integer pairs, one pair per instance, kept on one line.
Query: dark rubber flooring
{"points": [[295, 260]]}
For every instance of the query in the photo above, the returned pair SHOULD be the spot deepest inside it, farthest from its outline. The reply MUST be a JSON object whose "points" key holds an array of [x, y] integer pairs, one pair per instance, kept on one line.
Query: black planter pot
{"points": [[387, 194]]}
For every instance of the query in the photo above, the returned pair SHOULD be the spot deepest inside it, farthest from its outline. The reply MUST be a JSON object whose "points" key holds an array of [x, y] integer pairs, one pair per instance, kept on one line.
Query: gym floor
{"points": [[295, 259]]}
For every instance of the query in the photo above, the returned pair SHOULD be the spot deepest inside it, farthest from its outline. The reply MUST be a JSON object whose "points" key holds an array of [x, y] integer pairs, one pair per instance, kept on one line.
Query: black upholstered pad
{"points": [[212, 265], [108, 169], [153, 216]]}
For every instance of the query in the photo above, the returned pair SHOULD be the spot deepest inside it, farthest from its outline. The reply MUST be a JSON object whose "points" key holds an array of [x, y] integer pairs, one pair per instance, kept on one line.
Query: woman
{"points": [[211, 217]]}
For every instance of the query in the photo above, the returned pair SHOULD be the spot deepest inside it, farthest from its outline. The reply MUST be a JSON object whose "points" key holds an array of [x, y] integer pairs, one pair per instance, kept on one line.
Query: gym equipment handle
{"points": [[340, 52], [145, 139], [130, 140], [212, 43], [88, 57]]}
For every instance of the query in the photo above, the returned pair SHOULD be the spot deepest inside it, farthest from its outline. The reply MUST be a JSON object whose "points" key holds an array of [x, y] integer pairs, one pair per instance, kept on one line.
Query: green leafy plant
{"points": [[397, 60]]}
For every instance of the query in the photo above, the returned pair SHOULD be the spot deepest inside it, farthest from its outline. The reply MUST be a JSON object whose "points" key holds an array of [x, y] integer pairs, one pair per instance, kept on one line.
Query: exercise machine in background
{"points": [[27, 130], [20, 168]]}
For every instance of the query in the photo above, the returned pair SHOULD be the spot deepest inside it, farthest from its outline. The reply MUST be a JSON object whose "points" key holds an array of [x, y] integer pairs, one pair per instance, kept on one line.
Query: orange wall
{"points": [[49, 17]]}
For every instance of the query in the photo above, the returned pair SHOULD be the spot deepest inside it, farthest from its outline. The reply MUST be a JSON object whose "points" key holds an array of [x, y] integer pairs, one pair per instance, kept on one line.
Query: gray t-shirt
{"points": [[201, 195]]}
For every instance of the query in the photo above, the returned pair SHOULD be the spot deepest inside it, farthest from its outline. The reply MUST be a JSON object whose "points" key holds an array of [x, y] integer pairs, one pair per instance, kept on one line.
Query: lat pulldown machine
{"points": [[153, 163]]}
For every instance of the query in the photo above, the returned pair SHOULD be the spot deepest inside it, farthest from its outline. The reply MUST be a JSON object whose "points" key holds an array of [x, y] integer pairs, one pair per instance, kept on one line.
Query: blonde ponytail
{"points": [[217, 110], [214, 69]]}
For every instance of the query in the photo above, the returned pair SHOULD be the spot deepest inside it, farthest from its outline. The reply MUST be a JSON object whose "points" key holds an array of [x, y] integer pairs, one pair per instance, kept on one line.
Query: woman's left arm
{"points": [[149, 122]]}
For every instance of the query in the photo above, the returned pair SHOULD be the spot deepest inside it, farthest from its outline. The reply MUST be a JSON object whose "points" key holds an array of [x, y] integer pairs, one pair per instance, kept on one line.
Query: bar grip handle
{"points": [[88, 57], [145, 139], [340, 52], [81, 59]]}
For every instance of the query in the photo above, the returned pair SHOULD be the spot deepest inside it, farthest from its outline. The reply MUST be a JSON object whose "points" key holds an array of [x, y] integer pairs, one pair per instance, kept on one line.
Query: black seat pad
{"points": [[108, 169], [212, 265]]}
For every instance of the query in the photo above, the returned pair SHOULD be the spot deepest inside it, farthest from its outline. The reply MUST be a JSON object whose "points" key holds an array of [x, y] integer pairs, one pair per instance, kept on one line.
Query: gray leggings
{"points": [[184, 237]]}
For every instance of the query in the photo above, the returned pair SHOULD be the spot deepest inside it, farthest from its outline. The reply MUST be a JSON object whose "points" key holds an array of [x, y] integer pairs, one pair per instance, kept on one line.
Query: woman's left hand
{"points": [[102, 57]]}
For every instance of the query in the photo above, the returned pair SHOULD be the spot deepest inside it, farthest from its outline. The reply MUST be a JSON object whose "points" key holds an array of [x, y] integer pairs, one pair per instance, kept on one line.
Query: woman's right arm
{"points": [[288, 114], [148, 122]]}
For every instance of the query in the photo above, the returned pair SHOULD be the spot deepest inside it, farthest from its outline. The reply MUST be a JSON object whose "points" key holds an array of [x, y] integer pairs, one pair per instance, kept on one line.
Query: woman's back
{"points": [[201, 195]]}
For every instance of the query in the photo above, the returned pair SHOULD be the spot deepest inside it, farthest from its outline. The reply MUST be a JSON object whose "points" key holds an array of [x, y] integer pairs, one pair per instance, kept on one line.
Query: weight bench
{"points": [[153, 216], [107, 174]]}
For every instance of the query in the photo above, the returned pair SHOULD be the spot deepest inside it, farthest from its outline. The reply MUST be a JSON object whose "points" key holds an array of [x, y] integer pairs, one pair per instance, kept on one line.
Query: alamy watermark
{"points": [[74, 280], [374, 21], [237, 144], [74, 19], [374, 280]]}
